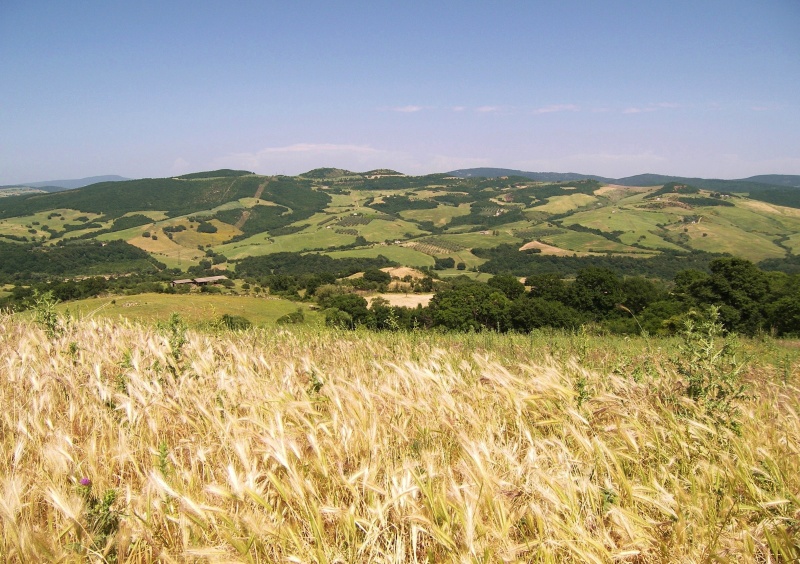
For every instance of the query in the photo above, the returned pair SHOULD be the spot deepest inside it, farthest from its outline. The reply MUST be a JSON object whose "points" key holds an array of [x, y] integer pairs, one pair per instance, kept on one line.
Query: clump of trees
{"points": [[747, 299], [206, 227]]}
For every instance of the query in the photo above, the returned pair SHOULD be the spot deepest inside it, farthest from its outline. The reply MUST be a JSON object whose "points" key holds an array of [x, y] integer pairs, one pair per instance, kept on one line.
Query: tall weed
{"points": [[712, 364]]}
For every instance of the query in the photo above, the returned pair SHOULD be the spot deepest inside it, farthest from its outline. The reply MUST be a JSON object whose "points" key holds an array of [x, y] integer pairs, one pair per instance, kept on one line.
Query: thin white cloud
{"points": [[638, 110], [557, 108], [458, 108], [651, 108], [408, 109], [180, 166], [487, 109]]}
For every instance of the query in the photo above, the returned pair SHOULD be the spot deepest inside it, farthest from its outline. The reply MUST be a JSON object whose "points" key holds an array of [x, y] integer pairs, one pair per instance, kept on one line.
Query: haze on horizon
{"points": [[153, 89]]}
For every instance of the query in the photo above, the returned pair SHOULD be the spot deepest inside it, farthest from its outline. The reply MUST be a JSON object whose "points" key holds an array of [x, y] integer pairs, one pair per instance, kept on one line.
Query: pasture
{"points": [[403, 255], [195, 308], [564, 204]]}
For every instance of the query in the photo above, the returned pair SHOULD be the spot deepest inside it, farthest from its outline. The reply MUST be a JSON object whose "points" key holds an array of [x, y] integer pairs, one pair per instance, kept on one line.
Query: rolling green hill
{"points": [[791, 180], [540, 176], [770, 188], [230, 215]]}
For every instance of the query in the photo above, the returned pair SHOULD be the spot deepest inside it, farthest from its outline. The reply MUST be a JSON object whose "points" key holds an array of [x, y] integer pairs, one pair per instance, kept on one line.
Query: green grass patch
{"points": [[639, 226], [439, 216], [587, 242], [793, 243], [563, 204], [380, 230], [479, 239], [621, 219], [758, 221], [403, 255], [729, 239], [126, 234], [453, 272], [54, 219], [343, 201], [194, 307], [263, 244]]}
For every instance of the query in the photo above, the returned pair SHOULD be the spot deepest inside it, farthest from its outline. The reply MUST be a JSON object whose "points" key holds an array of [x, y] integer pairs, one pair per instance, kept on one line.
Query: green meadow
{"points": [[195, 308]]}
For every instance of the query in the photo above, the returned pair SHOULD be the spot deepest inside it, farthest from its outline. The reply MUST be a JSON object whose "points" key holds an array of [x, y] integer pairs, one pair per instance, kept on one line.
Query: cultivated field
{"points": [[132, 443]]}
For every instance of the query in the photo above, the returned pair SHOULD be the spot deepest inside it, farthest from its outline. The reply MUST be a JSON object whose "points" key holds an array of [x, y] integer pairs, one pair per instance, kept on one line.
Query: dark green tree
{"points": [[470, 306], [508, 284], [533, 313], [353, 305], [596, 291], [640, 292], [376, 275]]}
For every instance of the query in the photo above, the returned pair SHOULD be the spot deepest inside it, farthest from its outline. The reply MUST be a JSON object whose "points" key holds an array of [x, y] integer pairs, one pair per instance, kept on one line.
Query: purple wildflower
{"points": [[86, 482]]}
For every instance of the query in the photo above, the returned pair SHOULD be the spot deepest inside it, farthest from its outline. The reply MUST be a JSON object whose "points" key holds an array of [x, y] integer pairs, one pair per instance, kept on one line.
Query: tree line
{"points": [[749, 301]]}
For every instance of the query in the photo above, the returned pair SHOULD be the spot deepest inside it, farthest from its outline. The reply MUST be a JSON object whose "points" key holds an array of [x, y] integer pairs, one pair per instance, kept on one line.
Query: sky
{"points": [[154, 89]]}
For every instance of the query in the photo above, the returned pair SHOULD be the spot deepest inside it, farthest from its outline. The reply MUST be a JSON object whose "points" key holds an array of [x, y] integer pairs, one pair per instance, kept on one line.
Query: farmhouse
{"points": [[199, 281]]}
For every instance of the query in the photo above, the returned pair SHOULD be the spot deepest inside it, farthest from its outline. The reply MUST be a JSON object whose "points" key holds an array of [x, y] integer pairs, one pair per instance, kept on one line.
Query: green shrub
{"points": [[335, 317], [235, 322], [296, 316]]}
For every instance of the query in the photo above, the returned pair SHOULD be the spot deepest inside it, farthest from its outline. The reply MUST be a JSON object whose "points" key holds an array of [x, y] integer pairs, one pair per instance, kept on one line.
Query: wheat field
{"points": [[133, 443]]}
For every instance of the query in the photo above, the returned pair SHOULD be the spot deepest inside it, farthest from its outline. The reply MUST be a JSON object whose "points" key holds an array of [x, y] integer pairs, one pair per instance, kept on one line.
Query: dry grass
{"points": [[404, 300], [321, 446], [403, 271], [550, 249]]}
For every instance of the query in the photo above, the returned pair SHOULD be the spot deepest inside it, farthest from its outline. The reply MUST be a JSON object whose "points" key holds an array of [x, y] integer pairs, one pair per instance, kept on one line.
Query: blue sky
{"points": [[616, 88]]}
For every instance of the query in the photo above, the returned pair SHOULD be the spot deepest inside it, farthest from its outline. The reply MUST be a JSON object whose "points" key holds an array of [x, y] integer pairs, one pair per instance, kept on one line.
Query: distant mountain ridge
{"points": [[487, 172], [648, 179], [791, 180], [69, 184]]}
